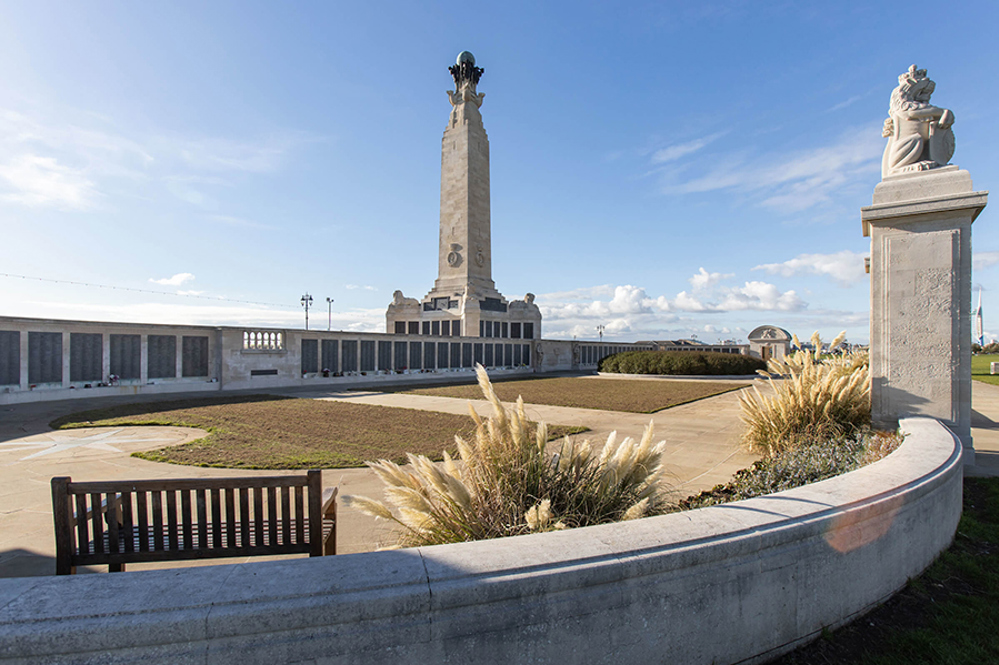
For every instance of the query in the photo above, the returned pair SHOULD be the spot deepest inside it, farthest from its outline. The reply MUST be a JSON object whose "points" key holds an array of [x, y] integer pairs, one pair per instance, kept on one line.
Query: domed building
{"points": [[768, 342]]}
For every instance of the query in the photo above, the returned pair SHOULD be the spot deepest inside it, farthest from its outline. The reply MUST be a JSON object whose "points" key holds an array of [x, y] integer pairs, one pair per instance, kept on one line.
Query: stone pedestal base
{"points": [[920, 230]]}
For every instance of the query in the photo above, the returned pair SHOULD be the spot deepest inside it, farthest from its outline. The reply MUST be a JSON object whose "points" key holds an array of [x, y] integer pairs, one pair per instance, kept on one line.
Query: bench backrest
{"points": [[154, 520]]}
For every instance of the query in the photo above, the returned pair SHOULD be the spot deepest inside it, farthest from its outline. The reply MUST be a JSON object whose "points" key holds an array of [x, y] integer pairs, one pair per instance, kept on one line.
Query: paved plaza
{"points": [[702, 443]]}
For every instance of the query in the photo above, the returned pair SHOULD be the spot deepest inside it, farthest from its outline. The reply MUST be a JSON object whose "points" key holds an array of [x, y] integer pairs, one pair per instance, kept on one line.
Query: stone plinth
{"points": [[920, 230]]}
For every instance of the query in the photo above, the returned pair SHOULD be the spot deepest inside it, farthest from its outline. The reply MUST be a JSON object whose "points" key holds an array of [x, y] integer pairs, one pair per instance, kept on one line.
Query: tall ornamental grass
{"points": [[506, 482], [816, 397]]}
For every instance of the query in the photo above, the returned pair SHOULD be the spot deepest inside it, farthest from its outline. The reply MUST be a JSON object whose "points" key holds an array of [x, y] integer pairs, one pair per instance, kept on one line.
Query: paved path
{"points": [[702, 444]]}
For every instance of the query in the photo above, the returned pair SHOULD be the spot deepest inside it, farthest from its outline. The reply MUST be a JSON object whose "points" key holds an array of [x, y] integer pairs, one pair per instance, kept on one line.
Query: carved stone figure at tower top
{"points": [[466, 76], [919, 134]]}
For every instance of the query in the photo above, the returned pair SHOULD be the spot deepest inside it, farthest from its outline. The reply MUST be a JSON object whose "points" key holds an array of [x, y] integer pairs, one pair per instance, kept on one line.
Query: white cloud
{"points": [[704, 279], [585, 293], [176, 280], [846, 102], [846, 267], [36, 181], [786, 182], [760, 296], [983, 260], [629, 310], [213, 314], [70, 162], [355, 287], [675, 152]]}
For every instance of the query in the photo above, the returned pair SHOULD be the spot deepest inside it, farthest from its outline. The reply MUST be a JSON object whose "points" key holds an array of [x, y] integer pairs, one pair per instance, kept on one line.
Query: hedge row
{"points": [[681, 362]]}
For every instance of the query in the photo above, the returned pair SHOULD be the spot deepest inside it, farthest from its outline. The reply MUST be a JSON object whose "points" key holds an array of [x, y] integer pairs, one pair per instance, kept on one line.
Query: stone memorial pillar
{"points": [[920, 230], [464, 293]]}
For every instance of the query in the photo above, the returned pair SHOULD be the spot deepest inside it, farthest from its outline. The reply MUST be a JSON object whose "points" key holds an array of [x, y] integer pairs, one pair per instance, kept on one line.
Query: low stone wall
{"points": [[741, 582]]}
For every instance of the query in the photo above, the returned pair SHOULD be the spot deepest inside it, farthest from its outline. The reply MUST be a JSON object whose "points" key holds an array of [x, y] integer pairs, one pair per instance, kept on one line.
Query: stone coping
{"points": [[740, 582]]}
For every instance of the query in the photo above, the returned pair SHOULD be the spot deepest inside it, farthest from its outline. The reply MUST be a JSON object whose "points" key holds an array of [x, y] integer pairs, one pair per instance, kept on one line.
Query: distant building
{"points": [[695, 345], [768, 342]]}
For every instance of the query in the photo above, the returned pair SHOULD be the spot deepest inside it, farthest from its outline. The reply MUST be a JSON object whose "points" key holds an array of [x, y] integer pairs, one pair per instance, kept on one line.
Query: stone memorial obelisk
{"points": [[464, 300], [920, 230]]}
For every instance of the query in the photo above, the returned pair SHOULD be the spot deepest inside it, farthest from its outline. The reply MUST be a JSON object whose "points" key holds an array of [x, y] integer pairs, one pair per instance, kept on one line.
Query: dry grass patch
{"points": [[607, 394], [270, 432]]}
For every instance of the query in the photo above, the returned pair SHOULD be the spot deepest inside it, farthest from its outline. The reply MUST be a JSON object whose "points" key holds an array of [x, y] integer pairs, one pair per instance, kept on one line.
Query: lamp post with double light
{"points": [[306, 301]]}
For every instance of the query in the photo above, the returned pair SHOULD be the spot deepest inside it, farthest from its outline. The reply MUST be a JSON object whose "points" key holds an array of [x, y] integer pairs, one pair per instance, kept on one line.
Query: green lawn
{"points": [[949, 615], [980, 366]]}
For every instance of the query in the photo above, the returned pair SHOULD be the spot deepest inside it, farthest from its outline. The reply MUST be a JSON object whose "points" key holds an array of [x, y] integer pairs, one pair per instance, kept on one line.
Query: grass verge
{"points": [[981, 366], [607, 394], [947, 616], [271, 432]]}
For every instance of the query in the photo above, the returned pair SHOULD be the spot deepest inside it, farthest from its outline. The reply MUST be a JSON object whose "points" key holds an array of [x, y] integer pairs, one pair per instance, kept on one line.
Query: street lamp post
{"points": [[306, 301], [600, 331], [329, 301]]}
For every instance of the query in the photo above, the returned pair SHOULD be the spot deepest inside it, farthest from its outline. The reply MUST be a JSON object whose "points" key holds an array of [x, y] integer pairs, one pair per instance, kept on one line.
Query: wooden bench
{"points": [[122, 522]]}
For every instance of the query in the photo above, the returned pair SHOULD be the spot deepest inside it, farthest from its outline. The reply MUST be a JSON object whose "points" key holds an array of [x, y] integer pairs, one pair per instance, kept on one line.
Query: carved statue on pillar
{"points": [[919, 134]]}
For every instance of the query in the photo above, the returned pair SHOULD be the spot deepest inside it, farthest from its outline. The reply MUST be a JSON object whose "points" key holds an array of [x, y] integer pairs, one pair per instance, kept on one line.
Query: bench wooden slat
{"points": [[230, 517], [96, 520], [258, 515], [244, 513], [286, 513], [202, 517], [82, 534], [171, 518], [299, 516], [157, 502], [143, 509], [127, 520], [186, 518], [216, 518], [272, 516], [114, 542]]}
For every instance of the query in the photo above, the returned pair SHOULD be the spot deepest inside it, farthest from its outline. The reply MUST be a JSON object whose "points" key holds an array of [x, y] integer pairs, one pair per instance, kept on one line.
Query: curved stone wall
{"points": [[735, 583]]}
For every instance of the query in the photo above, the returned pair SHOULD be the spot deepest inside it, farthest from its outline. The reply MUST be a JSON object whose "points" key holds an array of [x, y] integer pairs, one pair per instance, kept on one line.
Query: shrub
{"points": [[681, 362], [794, 467], [815, 399], [505, 482]]}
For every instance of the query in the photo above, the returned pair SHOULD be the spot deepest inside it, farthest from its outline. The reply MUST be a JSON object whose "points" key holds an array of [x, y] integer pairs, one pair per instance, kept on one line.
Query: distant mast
{"points": [[979, 331]]}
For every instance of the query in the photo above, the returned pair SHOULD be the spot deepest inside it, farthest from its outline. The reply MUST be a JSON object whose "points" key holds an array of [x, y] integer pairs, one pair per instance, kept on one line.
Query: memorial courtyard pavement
{"points": [[702, 443]]}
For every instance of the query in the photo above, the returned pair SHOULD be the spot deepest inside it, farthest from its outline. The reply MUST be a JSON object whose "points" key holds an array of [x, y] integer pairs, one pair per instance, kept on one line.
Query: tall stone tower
{"points": [[464, 254], [464, 300]]}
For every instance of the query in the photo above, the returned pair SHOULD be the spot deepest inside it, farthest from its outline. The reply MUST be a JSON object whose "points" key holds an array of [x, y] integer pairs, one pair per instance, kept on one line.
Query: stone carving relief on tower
{"points": [[919, 134]]}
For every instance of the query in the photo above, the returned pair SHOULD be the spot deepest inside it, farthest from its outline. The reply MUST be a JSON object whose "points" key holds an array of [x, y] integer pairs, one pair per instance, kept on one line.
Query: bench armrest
{"points": [[329, 501]]}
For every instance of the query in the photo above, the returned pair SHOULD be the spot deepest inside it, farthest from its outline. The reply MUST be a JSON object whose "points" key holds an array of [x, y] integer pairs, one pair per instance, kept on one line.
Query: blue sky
{"points": [[663, 169]]}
